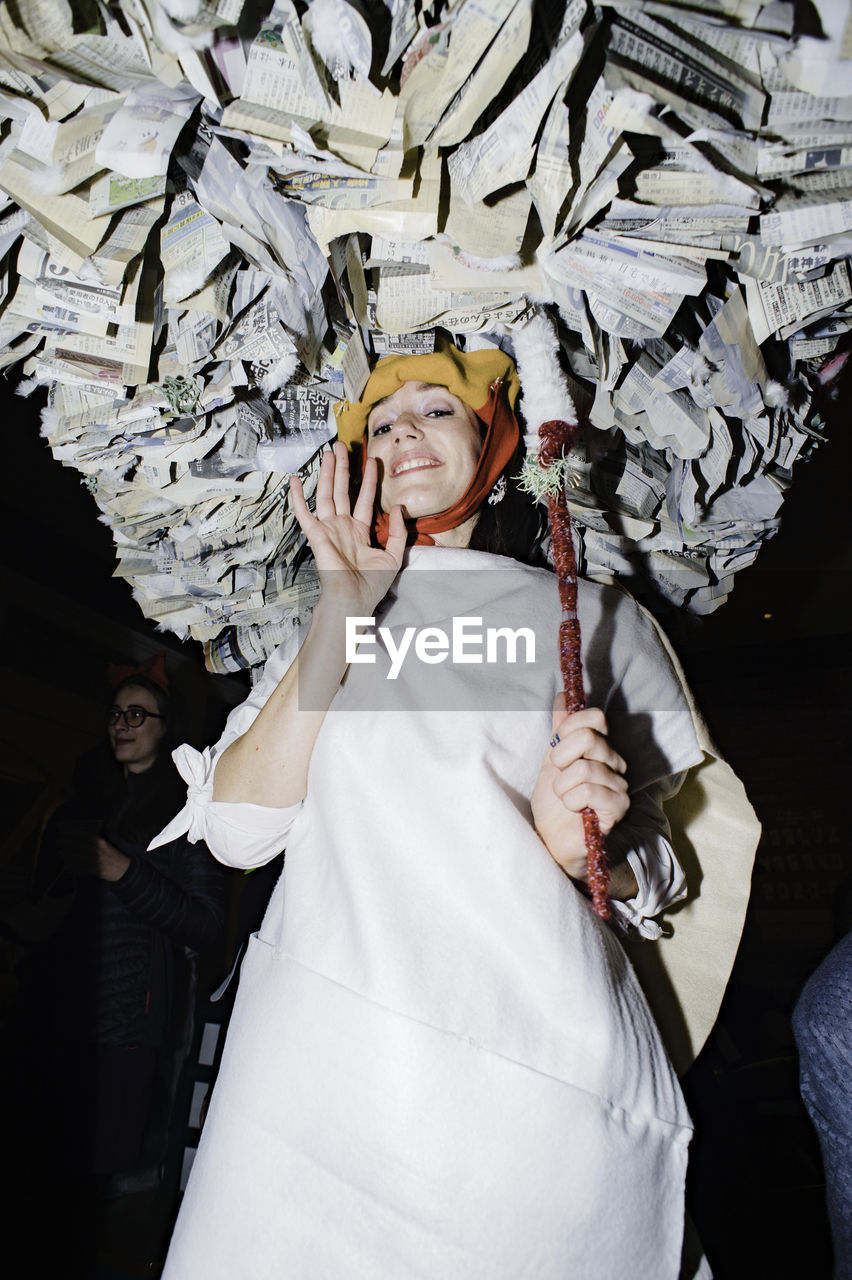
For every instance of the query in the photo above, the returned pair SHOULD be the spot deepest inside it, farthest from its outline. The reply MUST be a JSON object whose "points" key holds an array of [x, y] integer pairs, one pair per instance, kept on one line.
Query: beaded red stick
{"points": [[556, 439], [547, 400]]}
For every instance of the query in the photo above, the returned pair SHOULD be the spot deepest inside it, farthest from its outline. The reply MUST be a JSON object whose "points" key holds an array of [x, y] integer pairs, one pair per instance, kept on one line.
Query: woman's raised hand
{"points": [[268, 764], [352, 573]]}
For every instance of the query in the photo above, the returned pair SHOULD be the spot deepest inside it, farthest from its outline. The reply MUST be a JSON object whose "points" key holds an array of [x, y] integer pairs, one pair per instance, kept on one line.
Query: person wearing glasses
{"points": [[113, 977]]}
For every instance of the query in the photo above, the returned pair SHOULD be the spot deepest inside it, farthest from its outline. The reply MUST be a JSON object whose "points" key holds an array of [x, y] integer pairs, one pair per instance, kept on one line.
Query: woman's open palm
{"points": [[352, 572]]}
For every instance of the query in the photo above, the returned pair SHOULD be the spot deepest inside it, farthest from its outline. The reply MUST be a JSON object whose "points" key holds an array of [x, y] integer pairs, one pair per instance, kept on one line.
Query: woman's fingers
{"points": [[589, 717], [397, 535], [587, 784], [299, 506], [587, 771], [363, 509], [324, 507], [585, 774], [332, 492], [579, 742], [340, 492], [333, 496], [582, 734]]}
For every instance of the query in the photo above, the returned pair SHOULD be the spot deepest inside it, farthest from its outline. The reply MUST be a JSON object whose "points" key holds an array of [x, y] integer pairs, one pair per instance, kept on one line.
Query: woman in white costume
{"points": [[440, 1065]]}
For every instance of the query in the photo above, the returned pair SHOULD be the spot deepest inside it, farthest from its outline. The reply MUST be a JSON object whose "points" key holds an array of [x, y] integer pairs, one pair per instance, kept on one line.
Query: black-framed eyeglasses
{"points": [[132, 716]]}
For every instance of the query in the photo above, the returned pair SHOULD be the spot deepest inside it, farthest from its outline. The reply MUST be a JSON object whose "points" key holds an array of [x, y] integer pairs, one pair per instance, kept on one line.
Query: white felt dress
{"points": [[440, 1065]]}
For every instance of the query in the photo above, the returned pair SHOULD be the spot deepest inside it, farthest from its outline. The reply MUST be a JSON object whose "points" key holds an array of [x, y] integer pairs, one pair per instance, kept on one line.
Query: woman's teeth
{"points": [[415, 462]]}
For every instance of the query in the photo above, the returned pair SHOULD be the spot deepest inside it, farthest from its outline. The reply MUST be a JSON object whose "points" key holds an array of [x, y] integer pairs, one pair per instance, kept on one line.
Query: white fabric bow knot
{"points": [[196, 769]]}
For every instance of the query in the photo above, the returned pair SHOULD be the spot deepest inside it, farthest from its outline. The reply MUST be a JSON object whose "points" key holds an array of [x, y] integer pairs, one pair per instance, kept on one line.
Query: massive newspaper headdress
{"points": [[218, 215]]}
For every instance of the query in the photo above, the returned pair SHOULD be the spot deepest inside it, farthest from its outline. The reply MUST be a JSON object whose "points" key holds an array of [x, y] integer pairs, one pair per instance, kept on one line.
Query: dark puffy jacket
{"points": [[113, 958]]}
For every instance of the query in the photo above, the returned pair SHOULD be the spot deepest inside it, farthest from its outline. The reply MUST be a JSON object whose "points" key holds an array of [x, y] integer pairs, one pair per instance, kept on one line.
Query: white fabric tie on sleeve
{"points": [[645, 840], [237, 834], [196, 769], [659, 887]]}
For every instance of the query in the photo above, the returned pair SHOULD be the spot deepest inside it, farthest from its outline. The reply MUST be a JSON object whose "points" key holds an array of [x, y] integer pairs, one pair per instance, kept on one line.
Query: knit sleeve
{"points": [[187, 905]]}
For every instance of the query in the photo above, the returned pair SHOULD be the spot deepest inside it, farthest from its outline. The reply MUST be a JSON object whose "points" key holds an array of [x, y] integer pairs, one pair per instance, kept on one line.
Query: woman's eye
{"points": [[439, 413], [380, 428]]}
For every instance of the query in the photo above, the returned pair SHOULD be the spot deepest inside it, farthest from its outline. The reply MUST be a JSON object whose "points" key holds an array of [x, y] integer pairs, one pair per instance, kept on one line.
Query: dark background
{"points": [[771, 673]]}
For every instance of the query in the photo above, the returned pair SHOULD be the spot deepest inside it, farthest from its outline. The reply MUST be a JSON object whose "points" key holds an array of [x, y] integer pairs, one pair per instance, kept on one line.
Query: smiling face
{"points": [[136, 749], [427, 443]]}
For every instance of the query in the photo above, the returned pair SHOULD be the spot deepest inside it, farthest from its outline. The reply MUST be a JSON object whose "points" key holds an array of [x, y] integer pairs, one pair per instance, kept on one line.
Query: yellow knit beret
{"points": [[468, 375]]}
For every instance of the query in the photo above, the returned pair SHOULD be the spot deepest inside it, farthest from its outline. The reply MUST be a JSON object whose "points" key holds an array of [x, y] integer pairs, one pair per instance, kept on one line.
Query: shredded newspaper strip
{"points": [[214, 216]]}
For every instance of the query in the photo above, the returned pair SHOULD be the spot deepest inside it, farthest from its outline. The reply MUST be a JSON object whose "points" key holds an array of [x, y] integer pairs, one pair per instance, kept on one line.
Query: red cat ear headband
{"points": [[153, 669]]}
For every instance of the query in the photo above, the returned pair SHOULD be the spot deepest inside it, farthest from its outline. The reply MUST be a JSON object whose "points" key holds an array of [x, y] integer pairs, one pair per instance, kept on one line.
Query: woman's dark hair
{"points": [[516, 525], [164, 702], [144, 682]]}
